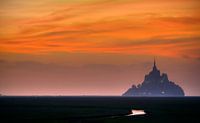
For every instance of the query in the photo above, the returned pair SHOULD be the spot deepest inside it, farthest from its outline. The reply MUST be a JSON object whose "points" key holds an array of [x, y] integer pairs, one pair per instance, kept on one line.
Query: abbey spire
{"points": [[154, 66]]}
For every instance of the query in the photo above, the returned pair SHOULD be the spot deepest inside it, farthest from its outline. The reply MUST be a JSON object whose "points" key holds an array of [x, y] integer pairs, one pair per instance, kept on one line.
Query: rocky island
{"points": [[155, 84]]}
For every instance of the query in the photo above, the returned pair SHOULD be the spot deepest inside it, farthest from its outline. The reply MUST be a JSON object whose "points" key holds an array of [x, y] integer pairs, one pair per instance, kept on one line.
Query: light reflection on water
{"points": [[136, 112]]}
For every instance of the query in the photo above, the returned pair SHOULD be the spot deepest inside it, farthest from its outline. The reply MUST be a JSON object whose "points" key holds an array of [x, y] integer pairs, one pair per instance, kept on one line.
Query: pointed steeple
{"points": [[154, 65]]}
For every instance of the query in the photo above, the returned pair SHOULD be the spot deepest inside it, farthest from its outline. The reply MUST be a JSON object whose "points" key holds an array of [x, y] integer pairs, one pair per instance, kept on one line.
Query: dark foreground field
{"points": [[99, 109]]}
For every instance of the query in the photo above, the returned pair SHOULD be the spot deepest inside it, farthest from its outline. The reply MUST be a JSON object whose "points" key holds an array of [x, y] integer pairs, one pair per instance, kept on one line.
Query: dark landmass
{"points": [[155, 84], [99, 109]]}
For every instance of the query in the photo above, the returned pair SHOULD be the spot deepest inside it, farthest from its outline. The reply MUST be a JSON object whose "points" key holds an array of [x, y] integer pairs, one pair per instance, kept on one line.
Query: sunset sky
{"points": [[96, 47]]}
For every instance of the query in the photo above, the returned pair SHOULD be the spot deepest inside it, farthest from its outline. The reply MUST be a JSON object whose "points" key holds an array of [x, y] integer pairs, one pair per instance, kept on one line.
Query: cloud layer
{"points": [[94, 26]]}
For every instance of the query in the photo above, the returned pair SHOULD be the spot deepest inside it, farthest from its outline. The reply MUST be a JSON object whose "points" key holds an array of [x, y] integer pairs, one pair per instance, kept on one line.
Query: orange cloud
{"points": [[110, 27]]}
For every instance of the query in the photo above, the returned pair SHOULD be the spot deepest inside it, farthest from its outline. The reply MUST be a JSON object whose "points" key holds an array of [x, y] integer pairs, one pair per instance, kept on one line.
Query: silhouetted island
{"points": [[155, 84]]}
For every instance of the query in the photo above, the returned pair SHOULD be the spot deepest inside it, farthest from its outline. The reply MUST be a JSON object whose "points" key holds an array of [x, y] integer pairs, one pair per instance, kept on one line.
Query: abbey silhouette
{"points": [[155, 84]]}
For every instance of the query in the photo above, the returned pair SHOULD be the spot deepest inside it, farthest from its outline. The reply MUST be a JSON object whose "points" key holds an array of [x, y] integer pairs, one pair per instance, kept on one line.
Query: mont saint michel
{"points": [[155, 84]]}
